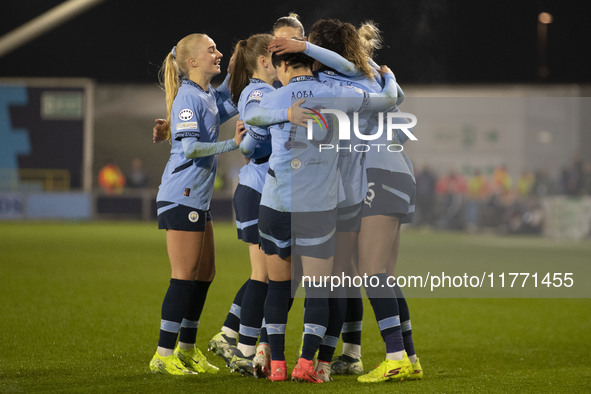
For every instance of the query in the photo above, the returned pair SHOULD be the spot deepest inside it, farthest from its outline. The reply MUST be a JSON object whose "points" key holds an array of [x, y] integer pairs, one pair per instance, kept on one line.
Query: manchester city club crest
{"points": [[194, 216]]}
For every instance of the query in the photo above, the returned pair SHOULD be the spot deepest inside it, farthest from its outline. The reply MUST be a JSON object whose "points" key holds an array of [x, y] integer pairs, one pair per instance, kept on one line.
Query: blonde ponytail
{"points": [[169, 81], [354, 50], [371, 37]]}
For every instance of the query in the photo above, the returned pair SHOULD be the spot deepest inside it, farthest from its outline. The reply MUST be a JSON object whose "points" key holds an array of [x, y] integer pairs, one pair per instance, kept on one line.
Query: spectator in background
{"points": [[111, 179], [543, 185], [478, 190], [452, 188], [500, 198], [525, 184], [502, 181], [138, 176], [572, 178], [426, 181]]}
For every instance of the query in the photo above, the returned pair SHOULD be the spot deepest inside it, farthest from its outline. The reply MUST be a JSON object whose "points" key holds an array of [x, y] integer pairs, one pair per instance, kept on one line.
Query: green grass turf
{"points": [[80, 310]]}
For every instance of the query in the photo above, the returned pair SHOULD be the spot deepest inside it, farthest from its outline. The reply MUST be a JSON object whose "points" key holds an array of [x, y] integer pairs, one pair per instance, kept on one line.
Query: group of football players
{"points": [[306, 212]]}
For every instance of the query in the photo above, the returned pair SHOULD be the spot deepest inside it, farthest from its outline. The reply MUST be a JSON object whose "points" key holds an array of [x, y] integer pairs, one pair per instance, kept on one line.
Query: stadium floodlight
{"points": [[544, 19]]}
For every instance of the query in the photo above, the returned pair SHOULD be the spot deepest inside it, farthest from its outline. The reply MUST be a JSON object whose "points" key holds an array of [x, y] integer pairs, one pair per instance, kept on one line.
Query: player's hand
{"points": [[240, 131], [385, 70], [298, 115], [281, 45], [158, 130]]}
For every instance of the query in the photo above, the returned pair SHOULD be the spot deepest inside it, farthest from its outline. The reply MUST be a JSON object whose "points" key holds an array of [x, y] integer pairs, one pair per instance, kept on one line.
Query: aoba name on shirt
{"points": [[300, 94]]}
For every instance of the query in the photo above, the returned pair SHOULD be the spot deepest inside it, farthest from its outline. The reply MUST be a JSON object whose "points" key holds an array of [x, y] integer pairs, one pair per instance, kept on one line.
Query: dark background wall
{"points": [[427, 41]]}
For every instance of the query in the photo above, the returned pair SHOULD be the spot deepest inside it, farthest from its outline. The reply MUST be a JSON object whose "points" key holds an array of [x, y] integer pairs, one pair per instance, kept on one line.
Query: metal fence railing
{"points": [[34, 179]]}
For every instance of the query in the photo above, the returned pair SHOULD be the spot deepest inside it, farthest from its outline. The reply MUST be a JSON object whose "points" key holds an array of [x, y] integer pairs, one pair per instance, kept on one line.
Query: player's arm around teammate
{"points": [[249, 82], [251, 79]]}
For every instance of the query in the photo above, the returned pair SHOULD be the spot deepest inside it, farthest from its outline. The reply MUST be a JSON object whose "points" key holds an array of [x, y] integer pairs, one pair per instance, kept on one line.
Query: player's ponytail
{"points": [[246, 55], [354, 50], [240, 75], [170, 82], [370, 36], [174, 67]]}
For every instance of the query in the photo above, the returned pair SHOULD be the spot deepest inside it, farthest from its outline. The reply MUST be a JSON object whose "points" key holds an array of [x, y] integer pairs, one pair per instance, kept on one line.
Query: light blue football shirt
{"points": [[305, 179], [195, 114], [257, 140]]}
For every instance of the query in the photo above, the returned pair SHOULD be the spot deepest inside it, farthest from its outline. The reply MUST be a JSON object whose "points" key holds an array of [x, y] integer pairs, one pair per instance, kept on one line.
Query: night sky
{"points": [[427, 41]]}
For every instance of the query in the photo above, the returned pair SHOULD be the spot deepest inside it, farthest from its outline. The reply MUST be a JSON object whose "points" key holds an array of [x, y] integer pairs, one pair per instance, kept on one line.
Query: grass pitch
{"points": [[80, 310]]}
